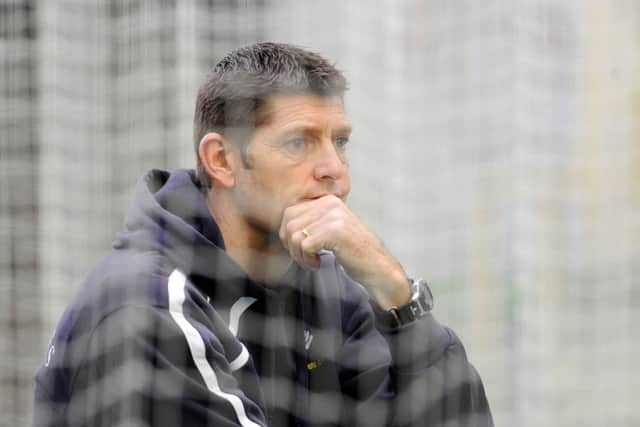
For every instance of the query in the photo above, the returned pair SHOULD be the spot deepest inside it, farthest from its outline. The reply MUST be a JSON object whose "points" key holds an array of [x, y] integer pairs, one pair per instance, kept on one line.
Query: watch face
{"points": [[425, 293]]}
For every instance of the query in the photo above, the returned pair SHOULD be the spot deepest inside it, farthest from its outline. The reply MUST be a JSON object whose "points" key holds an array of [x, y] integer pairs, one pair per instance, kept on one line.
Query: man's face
{"points": [[299, 154]]}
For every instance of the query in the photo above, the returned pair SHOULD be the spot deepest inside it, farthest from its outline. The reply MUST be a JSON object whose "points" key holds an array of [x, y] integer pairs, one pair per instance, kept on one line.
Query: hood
{"points": [[169, 214], [168, 205]]}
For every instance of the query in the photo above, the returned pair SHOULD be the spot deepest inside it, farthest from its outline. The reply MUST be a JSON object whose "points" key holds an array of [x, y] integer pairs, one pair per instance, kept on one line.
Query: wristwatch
{"points": [[420, 304]]}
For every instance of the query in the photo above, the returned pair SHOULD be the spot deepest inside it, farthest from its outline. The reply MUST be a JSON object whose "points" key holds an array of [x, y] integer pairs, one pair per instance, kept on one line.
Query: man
{"points": [[247, 293]]}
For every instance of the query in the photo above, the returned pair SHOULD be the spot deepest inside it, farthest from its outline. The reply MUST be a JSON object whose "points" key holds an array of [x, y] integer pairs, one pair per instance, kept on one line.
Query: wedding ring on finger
{"points": [[305, 233]]}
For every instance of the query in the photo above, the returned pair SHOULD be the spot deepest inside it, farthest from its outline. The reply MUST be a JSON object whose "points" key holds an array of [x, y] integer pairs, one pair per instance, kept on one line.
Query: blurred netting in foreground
{"points": [[496, 152]]}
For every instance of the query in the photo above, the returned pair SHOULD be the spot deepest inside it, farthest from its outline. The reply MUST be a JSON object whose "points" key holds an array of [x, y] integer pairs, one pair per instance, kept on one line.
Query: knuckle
{"points": [[335, 200], [335, 214], [290, 228], [338, 223]]}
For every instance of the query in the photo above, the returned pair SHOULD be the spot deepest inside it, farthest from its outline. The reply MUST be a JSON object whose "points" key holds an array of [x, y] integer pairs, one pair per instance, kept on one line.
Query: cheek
{"points": [[277, 186], [346, 182], [269, 193]]}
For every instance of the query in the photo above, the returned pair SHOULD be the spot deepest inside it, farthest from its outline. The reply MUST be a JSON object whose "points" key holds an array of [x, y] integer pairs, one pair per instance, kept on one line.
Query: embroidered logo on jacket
{"points": [[308, 338]]}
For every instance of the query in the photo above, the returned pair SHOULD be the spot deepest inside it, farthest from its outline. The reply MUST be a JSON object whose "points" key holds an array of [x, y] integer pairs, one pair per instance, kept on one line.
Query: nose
{"points": [[330, 164]]}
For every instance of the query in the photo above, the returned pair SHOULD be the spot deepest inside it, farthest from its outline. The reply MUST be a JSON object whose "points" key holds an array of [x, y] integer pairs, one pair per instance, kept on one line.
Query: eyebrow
{"points": [[346, 129], [312, 129]]}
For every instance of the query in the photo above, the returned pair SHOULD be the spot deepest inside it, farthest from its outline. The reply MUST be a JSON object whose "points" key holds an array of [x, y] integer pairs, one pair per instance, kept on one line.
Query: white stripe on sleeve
{"points": [[177, 281]]}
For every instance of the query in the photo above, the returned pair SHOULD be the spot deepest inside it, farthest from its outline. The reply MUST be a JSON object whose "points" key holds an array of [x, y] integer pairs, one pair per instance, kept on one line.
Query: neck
{"points": [[259, 252]]}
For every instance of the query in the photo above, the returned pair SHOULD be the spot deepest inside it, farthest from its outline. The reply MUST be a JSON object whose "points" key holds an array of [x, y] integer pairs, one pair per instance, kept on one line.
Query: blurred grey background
{"points": [[496, 152]]}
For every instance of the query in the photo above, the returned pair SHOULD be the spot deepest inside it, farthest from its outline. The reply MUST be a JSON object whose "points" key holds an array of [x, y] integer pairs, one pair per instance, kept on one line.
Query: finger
{"points": [[303, 221], [305, 259], [295, 248], [294, 241], [320, 237], [309, 257], [290, 213], [298, 216]]}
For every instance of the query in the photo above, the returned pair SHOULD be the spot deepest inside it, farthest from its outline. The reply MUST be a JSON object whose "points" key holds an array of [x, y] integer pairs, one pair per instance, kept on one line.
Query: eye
{"points": [[296, 147], [341, 142], [295, 144]]}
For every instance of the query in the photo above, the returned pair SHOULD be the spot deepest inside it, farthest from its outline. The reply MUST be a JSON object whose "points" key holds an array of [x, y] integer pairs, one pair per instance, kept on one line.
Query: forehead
{"points": [[287, 110]]}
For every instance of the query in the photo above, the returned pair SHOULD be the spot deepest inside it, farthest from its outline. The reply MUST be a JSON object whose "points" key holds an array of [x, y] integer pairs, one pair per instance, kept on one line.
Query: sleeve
{"points": [[143, 368], [430, 380], [433, 381]]}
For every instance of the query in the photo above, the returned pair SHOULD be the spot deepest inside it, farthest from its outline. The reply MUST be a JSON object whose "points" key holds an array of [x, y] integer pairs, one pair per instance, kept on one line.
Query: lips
{"points": [[316, 197]]}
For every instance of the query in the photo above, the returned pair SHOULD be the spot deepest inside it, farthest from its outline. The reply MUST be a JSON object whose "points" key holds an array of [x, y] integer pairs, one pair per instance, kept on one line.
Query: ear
{"points": [[216, 159]]}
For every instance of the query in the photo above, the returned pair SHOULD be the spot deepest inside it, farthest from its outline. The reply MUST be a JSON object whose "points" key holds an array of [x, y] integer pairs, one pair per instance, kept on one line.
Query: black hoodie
{"points": [[168, 330]]}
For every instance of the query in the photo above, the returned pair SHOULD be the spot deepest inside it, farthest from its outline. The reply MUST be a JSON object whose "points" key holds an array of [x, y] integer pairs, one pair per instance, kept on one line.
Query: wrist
{"points": [[392, 291], [418, 306]]}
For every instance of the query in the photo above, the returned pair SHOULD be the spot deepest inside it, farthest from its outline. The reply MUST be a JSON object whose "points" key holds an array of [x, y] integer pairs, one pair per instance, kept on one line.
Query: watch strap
{"points": [[419, 305]]}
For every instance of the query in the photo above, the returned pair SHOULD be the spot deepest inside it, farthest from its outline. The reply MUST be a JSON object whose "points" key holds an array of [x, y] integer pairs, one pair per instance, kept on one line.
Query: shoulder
{"points": [[123, 278], [117, 280], [132, 299], [133, 280], [122, 285]]}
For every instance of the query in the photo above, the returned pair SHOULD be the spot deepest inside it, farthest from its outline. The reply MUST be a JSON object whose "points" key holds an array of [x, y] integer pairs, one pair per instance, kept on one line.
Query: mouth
{"points": [[338, 195]]}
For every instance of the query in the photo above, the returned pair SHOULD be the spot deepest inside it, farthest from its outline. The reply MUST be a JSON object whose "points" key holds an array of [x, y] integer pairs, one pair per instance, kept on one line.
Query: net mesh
{"points": [[496, 152]]}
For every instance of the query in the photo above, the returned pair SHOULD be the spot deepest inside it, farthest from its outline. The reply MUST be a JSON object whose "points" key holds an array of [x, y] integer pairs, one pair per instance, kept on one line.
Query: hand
{"points": [[326, 223]]}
